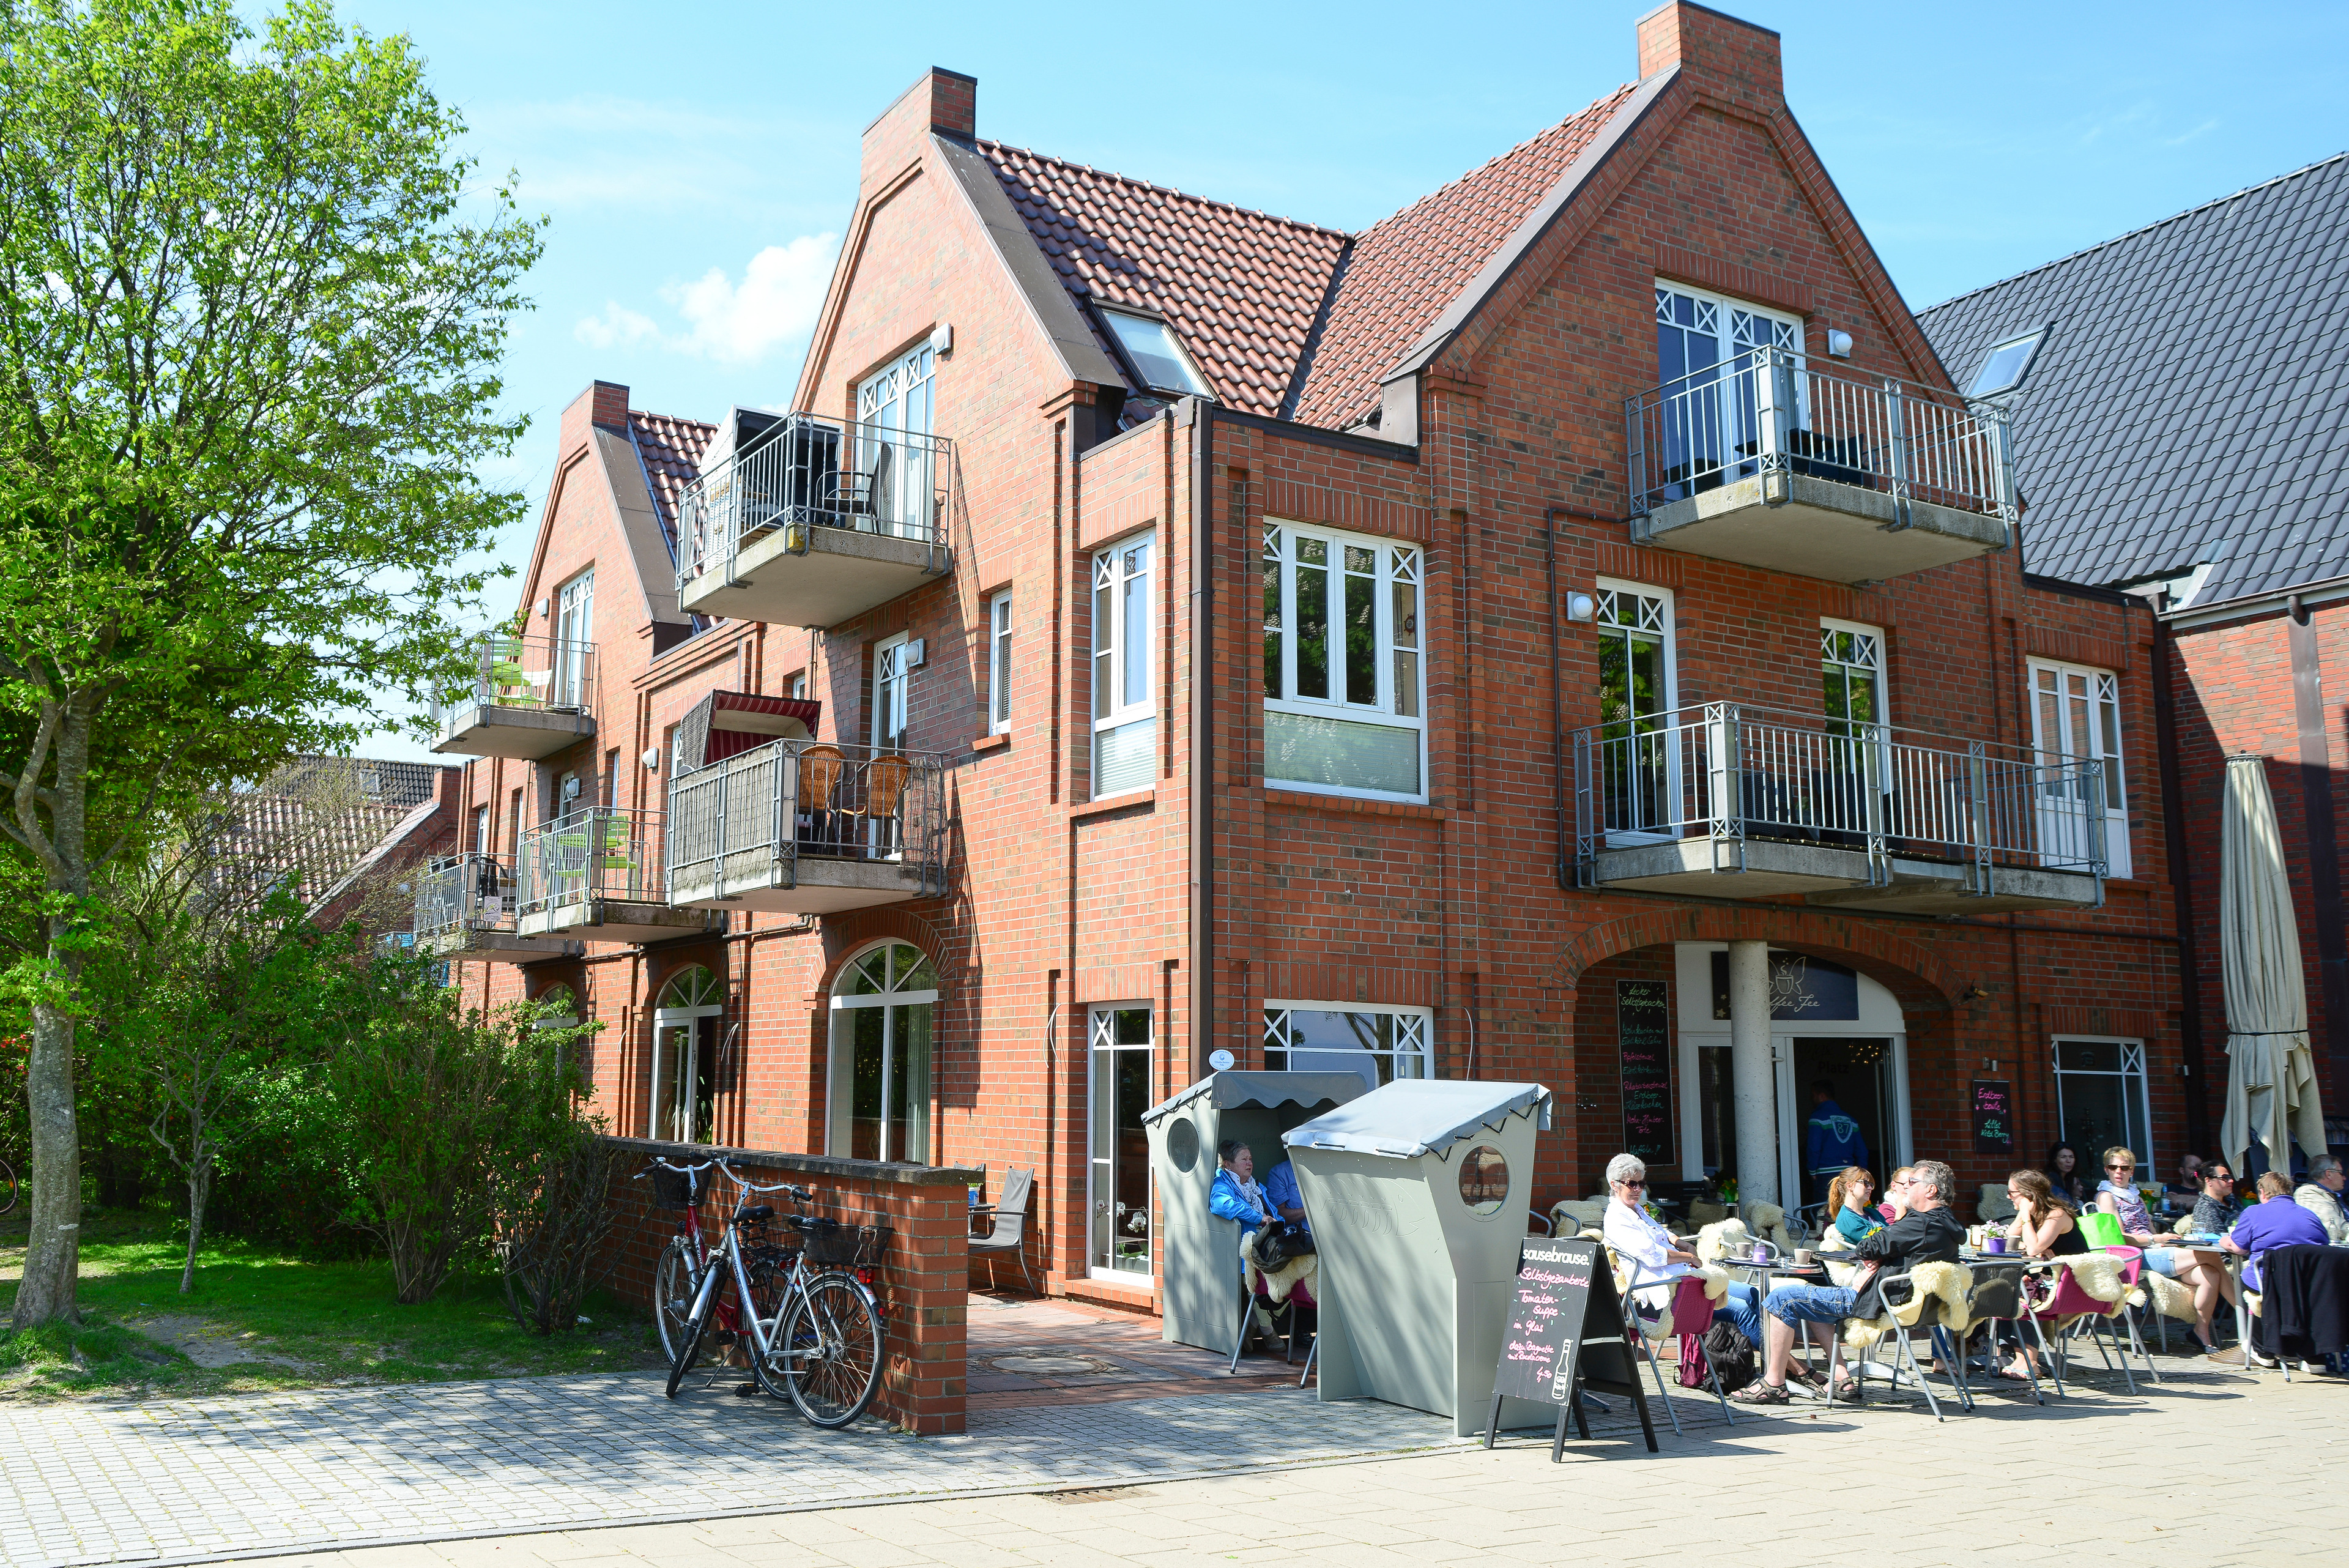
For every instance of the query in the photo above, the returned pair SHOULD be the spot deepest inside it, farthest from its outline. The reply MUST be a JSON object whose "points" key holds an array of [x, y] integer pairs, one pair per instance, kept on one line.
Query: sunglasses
{"points": [[2120, 1168], [1642, 1185], [2219, 1175]]}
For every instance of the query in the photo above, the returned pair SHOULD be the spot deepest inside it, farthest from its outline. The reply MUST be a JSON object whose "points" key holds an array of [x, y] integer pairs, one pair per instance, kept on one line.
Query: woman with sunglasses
{"points": [[2117, 1196]]}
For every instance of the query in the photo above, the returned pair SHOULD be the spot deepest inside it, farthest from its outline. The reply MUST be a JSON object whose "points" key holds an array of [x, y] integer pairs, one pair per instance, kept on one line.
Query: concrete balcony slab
{"points": [[1812, 527], [812, 575]]}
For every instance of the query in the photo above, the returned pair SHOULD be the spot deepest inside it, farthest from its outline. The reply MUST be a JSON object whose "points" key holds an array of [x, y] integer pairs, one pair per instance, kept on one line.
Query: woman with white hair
{"points": [[1659, 1258]]}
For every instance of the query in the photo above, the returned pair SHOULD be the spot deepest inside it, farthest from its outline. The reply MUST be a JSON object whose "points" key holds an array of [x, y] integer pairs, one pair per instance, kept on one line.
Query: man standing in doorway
{"points": [[1834, 1143]]}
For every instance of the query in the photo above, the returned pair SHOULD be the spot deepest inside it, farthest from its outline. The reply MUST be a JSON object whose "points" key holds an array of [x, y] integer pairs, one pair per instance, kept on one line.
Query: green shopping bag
{"points": [[2099, 1229]]}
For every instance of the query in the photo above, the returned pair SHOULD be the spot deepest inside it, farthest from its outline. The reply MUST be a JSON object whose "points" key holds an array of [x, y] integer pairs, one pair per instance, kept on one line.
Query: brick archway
{"points": [[1914, 973]]}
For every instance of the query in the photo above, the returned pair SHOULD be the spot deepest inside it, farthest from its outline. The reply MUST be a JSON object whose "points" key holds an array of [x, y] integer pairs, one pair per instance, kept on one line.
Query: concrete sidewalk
{"points": [[2209, 1471]]}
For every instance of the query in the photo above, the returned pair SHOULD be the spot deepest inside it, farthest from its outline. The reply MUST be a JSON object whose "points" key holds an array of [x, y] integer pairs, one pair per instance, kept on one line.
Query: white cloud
{"points": [[737, 323]]}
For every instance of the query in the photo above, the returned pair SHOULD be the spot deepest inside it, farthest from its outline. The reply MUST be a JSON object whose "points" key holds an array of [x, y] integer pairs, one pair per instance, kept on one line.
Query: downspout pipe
{"points": [[1202, 736], [2181, 884], [1564, 870]]}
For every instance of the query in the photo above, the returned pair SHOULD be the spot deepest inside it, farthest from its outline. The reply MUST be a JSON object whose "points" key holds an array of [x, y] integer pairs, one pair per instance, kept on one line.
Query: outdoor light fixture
{"points": [[1838, 343], [540, 607], [942, 337], [651, 759], [1581, 606]]}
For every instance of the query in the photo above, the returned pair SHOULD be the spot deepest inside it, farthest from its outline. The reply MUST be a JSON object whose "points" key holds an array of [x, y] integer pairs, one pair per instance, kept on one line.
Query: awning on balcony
{"points": [[727, 722]]}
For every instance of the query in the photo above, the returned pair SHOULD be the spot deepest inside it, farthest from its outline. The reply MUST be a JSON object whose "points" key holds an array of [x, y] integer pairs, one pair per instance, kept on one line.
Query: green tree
{"points": [[249, 326]]}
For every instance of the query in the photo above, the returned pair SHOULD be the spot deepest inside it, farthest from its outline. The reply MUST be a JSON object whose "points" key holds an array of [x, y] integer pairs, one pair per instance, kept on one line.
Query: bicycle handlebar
{"points": [[680, 1169], [802, 1194]]}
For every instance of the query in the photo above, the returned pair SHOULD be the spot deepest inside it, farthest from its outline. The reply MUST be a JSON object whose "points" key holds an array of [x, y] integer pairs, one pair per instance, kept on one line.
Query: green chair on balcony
{"points": [[510, 684]]}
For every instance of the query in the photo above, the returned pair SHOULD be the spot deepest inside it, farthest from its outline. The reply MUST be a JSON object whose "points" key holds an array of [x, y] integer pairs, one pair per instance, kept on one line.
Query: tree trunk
{"points": [[53, 1246], [200, 1193]]}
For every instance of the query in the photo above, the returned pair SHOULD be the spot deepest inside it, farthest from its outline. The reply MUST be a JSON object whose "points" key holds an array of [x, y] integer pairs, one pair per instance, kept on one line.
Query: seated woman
{"points": [[1659, 1258], [1852, 1213], [1238, 1196], [2117, 1196], [2064, 1173], [1896, 1194], [2043, 1228]]}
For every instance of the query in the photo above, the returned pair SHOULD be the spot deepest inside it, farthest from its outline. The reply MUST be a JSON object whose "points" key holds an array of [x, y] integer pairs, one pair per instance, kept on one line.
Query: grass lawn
{"points": [[261, 1318]]}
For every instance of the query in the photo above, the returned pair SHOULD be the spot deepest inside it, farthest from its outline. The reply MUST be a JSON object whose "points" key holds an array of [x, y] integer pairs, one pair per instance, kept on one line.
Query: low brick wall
{"points": [[924, 1273]]}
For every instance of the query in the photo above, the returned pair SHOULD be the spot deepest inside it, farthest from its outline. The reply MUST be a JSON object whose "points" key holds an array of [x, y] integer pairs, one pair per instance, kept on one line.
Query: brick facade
{"points": [[1058, 904]]}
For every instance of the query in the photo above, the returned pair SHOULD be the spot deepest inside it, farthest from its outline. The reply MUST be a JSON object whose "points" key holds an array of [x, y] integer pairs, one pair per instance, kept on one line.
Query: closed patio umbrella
{"points": [[2271, 1079]]}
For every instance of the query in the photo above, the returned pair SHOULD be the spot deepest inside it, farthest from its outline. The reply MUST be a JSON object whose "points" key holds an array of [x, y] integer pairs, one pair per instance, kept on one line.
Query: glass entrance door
{"points": [[1120, 1169], [1864, 1089], [880, 1068]]}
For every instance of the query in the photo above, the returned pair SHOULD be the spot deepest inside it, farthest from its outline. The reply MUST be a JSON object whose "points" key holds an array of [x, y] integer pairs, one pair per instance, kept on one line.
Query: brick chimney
{"points": [[940, 101], [1736, 59], [600, 405]]}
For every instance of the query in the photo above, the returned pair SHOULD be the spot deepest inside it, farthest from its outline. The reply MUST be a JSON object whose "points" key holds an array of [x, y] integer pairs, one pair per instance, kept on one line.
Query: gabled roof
{"points": [[1284, 317], [1406, 268], [2189, 401], [1241, 288]]}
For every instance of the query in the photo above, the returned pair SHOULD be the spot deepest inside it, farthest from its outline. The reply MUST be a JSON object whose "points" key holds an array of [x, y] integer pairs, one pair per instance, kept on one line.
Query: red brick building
{"points": [[1568, 630], [2221, 503]]}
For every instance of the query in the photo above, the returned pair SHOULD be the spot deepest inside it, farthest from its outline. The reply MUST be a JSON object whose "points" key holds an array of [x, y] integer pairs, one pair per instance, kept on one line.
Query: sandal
{"points": [[1810, 1376], [1846, 1391], [1760, 1393]]}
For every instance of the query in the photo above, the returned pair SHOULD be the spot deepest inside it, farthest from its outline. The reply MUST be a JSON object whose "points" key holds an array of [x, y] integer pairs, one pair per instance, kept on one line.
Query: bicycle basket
{"points": [[675, 1189], [833, 1245]]}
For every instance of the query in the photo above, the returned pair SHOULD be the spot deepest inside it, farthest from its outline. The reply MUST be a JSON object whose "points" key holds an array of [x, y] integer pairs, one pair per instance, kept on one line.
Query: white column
{"points": [[1756, 1086]]}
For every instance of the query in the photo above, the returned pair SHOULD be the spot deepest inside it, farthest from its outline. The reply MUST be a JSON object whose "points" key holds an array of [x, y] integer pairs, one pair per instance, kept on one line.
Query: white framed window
{"points": [[1638, 683], [879, 1070], [1125, 722], [2004, 366], [1851, 670], [998, 663], [1703, 346], [1120, 1061], [893, 460], [1382, 1044], [2100, 1099], [481, 830], [797, 687], [1345, 674], [891, 678], [2076, 718], [575, 637]]}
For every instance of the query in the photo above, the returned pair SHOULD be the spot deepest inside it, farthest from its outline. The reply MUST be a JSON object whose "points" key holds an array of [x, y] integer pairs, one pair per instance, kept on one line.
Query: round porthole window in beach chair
{"points": [[1484, 1181]]}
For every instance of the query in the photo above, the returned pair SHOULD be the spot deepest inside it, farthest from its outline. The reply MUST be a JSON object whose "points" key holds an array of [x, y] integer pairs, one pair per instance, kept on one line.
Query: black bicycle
{"points": [[810, 1326]]}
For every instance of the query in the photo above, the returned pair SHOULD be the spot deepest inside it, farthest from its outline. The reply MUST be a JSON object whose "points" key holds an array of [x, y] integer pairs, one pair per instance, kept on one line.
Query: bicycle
{"points": [[813, 1337], [677, 1277]]}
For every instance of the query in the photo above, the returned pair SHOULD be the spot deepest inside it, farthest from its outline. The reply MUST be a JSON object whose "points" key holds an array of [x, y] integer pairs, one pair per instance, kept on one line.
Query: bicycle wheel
{"points": [[673, 1283], [827, 1355], [696, 1327]]}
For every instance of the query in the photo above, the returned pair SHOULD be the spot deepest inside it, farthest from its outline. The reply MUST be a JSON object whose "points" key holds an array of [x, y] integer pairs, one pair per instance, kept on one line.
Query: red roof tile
{"points": [[1241, 288], [671, 448], [1244, 289], [1407, 268]]}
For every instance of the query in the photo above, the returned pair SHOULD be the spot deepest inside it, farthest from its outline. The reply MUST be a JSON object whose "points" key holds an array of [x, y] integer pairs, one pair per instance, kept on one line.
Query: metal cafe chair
{"points": [[1932, 1316]]}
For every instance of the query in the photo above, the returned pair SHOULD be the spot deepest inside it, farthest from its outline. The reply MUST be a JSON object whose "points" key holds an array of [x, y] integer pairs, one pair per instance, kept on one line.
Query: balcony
{"points": [[817, 522], [465, 909], [1731, 802], [808, 828], [595, 876], [529, 697], [1769, 462]]}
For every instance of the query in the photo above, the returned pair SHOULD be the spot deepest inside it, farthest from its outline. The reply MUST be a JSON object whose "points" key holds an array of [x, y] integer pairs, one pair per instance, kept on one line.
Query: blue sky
{"points": [[699, 163]]}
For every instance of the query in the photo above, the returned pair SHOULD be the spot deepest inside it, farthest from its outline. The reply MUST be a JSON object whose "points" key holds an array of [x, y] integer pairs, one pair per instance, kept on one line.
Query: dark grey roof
{"points": [[2190, 400]]}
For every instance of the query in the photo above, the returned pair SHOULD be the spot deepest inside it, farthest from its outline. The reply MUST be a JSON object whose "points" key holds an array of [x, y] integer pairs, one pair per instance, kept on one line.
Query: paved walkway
{"points": [[191, 1481]]}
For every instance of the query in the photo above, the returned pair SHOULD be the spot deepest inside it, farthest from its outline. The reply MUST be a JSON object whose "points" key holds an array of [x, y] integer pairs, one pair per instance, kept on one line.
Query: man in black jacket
{"points": [[1927, 1233]]}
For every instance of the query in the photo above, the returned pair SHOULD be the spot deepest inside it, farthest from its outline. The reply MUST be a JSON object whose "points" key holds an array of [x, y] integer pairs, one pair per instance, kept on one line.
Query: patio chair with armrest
{"points": [[1650, 1333], [819, 770], [1931, 1313], [885, 778], [1007, 1222], [2069, 1306]]}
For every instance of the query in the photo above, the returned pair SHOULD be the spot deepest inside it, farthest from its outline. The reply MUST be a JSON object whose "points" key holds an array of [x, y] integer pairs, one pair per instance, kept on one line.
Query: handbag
{"points": [[1280, 1241], [1730, 1354]]}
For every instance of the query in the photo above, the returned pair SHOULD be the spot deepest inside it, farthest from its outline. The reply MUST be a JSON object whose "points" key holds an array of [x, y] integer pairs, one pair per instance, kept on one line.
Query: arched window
{"points": [[880, 1068], [685, 1056]]}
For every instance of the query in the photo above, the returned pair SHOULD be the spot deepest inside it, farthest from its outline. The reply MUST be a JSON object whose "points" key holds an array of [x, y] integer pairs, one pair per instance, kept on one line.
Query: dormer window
{"points": [[2002, 371], [1159, 359]]}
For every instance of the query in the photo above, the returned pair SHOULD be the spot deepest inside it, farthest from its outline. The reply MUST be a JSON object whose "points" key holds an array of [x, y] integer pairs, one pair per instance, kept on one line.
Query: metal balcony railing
{"points": [[601, 852], [808, 473], [756, 817], [544, 674], [1772, 410], [1733, 774], [469, 892]]}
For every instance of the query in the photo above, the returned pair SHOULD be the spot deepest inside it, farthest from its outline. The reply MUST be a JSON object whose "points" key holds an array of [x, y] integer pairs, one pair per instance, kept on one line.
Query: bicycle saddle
{"points": [[758, 1213]]}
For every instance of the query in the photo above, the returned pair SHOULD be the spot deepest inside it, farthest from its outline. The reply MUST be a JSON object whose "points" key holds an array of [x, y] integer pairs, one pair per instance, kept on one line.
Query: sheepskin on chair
{"points": [[2170, 1299], [1280, 1281], [1953, 1284], [1767, 1220], [1588, 1214]]}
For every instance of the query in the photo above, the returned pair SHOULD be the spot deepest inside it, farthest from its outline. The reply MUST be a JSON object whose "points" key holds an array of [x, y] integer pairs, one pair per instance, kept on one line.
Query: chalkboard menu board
{"points": [[1643, 1035], [1992, 1115], [1565, 1333]]}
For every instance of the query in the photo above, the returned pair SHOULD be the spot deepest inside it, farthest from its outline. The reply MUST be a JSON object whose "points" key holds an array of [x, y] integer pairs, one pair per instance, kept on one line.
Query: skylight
{"points": [[2002, 371], [1151, 347]]}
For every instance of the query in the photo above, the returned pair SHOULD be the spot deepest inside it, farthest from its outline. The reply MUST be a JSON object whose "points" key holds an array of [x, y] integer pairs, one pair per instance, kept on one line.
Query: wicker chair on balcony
{"points": [[886, 779], [819, 771]]}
